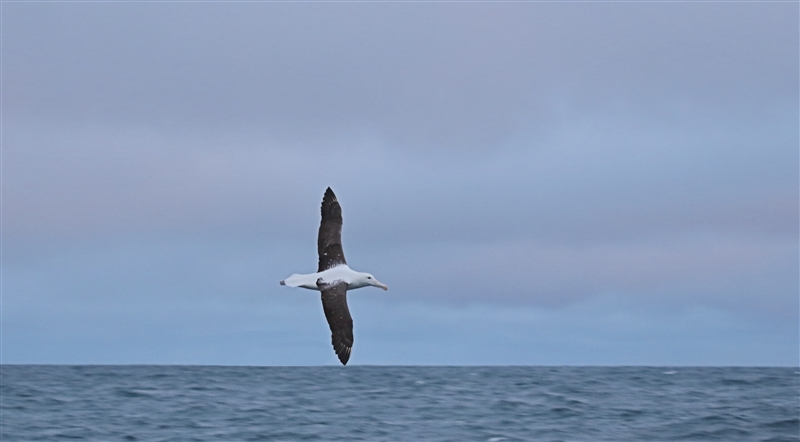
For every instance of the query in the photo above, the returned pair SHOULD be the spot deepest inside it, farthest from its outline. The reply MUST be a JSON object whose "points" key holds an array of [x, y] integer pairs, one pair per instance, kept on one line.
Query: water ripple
{"points": [[174, 403]]}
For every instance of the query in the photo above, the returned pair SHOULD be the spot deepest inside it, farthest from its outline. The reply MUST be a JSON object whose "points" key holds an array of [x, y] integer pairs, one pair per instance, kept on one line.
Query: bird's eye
{"points": [[369, 277]]}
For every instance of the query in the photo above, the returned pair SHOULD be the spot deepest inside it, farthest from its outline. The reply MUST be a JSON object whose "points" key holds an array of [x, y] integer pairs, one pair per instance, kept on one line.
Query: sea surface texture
{"points": [[374, 403]]}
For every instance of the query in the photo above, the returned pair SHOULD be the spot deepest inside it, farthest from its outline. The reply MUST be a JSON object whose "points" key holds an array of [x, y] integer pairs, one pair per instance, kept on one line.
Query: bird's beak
{"points": [[378, 284]]}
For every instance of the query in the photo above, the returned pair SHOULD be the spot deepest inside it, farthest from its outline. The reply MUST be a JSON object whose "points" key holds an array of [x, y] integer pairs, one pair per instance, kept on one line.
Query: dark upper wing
{"points": [[334, 302], [329, 241]]}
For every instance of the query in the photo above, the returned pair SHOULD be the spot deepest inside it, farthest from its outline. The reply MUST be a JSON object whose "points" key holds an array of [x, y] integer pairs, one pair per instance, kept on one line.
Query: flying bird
{"points": [[334, 278]]}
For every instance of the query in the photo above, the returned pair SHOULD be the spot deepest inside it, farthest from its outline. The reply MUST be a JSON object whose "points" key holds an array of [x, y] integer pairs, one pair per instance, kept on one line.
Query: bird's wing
{"points": [[334, 302], [329, 241]]}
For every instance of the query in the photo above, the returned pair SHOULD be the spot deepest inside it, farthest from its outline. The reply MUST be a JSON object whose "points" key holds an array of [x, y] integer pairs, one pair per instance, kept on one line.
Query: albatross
{"points": [[334, 278]]}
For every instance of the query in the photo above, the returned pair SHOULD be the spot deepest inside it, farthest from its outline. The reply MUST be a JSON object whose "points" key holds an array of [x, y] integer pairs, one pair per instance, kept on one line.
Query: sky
{"points": [[609, 183]]}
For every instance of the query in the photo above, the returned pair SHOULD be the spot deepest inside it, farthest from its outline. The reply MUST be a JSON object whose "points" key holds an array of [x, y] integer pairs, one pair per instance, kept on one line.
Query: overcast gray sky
{"points": [[537, 183]]}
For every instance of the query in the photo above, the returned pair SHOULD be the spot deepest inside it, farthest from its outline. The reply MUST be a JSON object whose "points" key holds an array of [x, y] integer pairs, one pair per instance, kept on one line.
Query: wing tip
{"points": [[344, 355], [330, 209], [329, 195]]}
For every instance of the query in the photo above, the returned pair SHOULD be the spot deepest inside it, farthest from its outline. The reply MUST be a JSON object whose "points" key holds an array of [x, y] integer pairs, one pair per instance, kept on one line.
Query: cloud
{"points": [[419, 76], [592, 179]]}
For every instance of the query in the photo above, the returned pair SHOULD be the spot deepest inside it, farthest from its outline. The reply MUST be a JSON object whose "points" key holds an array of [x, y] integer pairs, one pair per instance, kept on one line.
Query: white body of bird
{"points": [[354, 280]]}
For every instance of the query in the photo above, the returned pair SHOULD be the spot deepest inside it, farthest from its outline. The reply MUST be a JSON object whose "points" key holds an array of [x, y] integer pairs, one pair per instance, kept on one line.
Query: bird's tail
{"points": [[293, 281]]}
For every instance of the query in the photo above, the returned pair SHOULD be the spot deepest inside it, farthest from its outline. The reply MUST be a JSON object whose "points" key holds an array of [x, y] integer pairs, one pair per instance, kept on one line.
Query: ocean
{"points": [[395, 403]]}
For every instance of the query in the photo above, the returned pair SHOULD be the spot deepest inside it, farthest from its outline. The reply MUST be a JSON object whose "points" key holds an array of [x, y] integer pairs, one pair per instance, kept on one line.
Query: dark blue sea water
{"points": [[208, 403]]}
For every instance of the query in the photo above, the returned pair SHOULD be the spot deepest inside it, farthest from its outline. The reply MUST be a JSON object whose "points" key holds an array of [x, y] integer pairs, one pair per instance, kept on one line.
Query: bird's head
{"points": [[368, 279]]}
